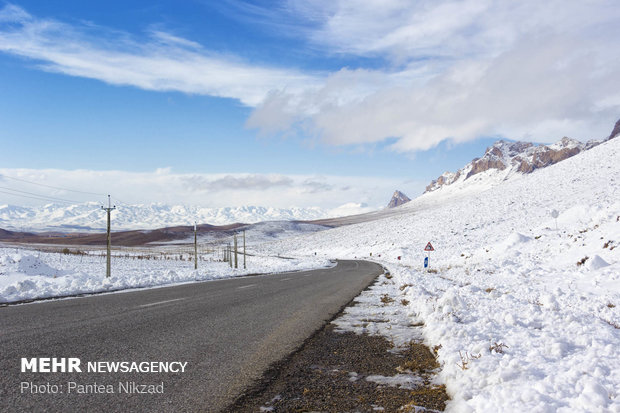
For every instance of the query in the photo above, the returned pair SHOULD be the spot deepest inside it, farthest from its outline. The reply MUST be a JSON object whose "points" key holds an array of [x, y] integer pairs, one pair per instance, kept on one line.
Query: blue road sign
{"points": [[425, 262]]}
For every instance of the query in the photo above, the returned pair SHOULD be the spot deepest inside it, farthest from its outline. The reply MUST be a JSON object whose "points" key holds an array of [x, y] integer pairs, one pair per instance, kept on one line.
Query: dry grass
{"points": [[498, 347], [423, 395], [386, 299], [420, 359], [466, 359], [582, 261]]}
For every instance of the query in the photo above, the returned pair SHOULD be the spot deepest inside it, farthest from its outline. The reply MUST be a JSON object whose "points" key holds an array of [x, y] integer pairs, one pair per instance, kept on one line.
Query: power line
{"points": [[43, 197], [54, 187], [33, 197]]}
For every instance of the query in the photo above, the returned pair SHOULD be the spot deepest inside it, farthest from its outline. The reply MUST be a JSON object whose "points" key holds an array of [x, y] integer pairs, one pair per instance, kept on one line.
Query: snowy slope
{"points": [[89, 216], [506, 160], [259, 233], [523, 316]]}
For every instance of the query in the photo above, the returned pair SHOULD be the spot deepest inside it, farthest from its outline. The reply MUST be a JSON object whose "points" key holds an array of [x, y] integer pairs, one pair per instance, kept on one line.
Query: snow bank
{"points": [[522, 316], [24, 276]]}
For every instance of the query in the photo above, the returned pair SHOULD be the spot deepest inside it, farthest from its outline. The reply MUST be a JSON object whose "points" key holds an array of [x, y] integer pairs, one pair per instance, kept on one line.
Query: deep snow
{"points": [[524, 317], [30, 274]]}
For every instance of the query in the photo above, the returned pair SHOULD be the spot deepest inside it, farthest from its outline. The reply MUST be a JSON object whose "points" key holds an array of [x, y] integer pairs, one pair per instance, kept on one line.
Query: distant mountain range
{"points": [[504, 160], [89, 216]]}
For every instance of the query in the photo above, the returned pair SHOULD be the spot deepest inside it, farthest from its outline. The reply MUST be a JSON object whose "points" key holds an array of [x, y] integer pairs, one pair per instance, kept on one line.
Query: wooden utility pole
{"points": [[244, 250], [235, 239], [195, 248], [109, 209], [229, 256]]}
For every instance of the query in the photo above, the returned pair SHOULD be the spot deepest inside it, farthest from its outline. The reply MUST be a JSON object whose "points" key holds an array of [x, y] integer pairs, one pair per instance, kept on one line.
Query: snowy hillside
{"points": [[505, 160], [89, 216], [523, 316], [259, 233]]}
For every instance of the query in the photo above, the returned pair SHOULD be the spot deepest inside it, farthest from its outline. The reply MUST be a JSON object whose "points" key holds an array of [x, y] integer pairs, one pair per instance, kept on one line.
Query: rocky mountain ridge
{"points": [[398, 199], [510, 158]]}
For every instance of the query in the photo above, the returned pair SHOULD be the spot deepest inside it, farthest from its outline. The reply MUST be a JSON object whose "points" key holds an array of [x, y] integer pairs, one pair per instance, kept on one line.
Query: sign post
{"points": [[555, 214], [427, 260]]}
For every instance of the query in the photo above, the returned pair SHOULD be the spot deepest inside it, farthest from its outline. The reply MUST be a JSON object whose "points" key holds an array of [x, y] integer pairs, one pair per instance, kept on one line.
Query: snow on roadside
{"points": [[523, 316], [26, 274]]}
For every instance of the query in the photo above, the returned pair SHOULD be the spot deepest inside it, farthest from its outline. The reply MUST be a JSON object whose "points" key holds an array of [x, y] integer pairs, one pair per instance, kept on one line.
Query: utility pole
{"points": [[110, 208], [236, 251], [244, 250], [195, 248], [229, 255]]}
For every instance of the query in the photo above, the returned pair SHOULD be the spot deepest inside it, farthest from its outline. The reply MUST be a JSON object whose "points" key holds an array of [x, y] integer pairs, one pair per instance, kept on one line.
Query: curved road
{"points": [[228, 332]]}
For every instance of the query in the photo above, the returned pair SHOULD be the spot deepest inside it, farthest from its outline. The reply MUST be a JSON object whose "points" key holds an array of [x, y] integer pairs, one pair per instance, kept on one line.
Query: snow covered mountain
{"points": [[89, 216], [398, 199], [504, 160]]}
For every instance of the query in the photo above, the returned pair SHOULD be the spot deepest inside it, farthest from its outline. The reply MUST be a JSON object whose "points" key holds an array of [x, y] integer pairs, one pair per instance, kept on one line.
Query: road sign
{"points": [[425, 262], [555, 214], [429, 247]]}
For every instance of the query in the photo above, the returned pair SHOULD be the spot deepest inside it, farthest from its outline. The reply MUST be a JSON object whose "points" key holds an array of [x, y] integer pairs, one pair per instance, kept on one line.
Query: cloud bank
{"points": [[360, 194], [441, 69], [458, 70]]}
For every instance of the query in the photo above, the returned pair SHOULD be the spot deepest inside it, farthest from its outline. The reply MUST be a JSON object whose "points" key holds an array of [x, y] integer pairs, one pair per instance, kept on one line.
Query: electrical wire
{"points": [[37, 197], [50, 186], [45, 197]]}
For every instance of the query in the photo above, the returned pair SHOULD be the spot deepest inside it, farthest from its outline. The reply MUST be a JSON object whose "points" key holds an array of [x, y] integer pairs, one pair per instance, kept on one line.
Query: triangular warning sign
{"points": [[429, 247]]}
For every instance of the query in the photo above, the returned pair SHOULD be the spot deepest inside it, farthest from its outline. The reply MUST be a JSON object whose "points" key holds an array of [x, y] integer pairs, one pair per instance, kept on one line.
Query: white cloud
{"points": [[441, 69], [205, 190], [162, 62], [459, 70], [350, 208]]}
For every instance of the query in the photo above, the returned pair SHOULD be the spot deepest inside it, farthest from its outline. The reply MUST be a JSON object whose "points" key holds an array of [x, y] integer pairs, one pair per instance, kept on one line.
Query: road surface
{"points": [[227, 332]]}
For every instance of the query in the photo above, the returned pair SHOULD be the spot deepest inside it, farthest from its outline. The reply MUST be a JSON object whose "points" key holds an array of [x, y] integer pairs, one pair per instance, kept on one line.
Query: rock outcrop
{"points": [[509, 158], [398, 199], [616, 131]]}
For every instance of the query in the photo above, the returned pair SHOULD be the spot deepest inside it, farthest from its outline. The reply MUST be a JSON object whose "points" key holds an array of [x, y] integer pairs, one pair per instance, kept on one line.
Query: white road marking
{"points": [[161, 302], [246, 286], [285, 279]]}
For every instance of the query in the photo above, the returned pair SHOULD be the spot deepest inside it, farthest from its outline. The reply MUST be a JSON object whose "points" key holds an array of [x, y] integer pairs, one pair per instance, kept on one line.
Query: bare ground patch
{"points": [[346, 372]]}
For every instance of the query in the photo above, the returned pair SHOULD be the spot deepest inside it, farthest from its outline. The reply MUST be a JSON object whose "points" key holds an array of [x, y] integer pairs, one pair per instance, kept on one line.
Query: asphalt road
{"points": [[228, 332]]}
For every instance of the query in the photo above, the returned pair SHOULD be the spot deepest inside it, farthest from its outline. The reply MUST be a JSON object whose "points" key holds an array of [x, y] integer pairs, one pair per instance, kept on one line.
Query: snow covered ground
{"points": [[30, 274], [523, 316], [258, 233]]}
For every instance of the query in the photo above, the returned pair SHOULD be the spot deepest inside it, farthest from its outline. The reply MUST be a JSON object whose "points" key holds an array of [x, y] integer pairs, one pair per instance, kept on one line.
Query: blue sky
{"points": [[379, 95]]}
